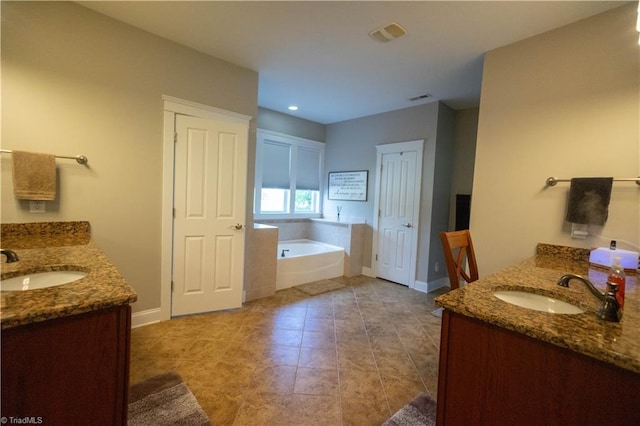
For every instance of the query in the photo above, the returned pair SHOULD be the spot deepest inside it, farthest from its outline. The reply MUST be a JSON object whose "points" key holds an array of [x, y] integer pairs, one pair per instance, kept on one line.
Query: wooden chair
{"points": [[459, 253]]}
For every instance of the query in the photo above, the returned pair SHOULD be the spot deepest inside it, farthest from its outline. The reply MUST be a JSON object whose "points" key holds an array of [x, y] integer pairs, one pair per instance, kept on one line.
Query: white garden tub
{"points": [[305, 261]]}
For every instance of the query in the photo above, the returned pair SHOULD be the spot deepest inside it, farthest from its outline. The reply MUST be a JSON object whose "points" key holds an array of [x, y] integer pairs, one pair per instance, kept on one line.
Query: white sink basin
{"points": [[40, 280], [537, 302]]}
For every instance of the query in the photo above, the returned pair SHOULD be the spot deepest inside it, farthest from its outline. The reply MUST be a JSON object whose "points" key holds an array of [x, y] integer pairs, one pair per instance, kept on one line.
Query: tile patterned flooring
{"points": [[353, 356]]}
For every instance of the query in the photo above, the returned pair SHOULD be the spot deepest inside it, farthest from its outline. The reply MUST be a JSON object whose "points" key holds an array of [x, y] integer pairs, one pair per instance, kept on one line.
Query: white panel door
{"points": [[209, 210], [395, 221]]}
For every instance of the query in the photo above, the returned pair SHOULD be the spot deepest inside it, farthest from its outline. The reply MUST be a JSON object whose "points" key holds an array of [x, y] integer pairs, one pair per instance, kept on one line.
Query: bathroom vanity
{"points": [[505, 364], [65, 348]]}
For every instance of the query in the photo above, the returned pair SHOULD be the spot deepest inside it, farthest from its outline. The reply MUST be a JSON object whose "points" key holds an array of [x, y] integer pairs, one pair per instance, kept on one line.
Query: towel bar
{"points": [[81, 159], [553, 181]]}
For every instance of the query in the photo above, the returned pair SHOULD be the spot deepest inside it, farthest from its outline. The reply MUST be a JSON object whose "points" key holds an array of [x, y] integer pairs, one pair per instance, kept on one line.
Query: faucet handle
{"points": [[610, 308]]}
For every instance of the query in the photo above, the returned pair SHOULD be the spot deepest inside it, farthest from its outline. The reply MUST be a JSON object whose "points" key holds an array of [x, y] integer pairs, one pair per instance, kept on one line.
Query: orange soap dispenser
{"points": [[616, 276]]}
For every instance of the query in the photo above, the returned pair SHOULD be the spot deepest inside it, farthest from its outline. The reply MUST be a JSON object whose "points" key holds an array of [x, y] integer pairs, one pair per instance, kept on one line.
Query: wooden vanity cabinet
{"points": [[492, 376], [69, 371]]}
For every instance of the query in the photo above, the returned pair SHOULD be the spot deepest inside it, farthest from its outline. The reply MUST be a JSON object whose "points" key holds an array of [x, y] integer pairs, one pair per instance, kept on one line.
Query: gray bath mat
{"points": [[319, 287], [419, 412], [164, 400]]}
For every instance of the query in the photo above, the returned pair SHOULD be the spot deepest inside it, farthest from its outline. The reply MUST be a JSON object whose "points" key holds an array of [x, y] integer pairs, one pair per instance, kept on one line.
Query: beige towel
{"points": [[34, 176]]}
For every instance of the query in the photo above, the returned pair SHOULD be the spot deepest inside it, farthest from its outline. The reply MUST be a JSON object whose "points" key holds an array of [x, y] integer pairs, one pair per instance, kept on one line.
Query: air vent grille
{"points": [[388, 32], [419, 98]]}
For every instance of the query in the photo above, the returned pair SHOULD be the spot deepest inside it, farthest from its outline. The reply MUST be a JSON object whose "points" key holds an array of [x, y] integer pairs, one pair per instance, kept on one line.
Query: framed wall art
{"points": [[348, 186]]}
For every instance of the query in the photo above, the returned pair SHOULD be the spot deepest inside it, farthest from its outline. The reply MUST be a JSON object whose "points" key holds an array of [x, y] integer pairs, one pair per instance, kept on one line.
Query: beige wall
{"points": [[76, 82], [565, 104]]}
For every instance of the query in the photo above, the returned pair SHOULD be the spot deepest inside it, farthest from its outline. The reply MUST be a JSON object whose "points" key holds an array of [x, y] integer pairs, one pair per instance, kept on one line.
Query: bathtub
{"points": [[307, 261]]}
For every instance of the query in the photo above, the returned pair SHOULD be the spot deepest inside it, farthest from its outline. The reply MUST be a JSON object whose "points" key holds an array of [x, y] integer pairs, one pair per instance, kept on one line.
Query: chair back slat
{"points": [[460, 257]]}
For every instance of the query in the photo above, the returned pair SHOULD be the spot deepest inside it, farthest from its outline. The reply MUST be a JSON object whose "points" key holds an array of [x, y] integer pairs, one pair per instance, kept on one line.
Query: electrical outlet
{"points": [[36, 207]]}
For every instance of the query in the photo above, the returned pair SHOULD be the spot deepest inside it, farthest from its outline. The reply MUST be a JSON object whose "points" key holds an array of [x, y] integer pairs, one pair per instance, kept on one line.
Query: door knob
{"points": [[406, 225], [238, 226]]}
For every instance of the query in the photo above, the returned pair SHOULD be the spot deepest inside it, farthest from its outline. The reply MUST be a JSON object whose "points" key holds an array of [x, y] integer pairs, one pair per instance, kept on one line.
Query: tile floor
{"points": [[353, 356]]}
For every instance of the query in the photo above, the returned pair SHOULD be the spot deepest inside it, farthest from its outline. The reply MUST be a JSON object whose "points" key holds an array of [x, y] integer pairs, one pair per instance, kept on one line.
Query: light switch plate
{"points": [[36, 207]]}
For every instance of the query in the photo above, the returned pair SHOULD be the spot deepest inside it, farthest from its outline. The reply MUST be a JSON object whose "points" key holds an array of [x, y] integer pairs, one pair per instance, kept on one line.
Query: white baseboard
{"points": [[421, 286], [439, 283], [367, 272], [147, 317], [427, 287]]}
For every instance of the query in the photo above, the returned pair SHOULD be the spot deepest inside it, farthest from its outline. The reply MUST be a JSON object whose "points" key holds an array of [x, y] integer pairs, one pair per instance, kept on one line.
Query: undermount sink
{"points": [[40, 280], [537, 302]]}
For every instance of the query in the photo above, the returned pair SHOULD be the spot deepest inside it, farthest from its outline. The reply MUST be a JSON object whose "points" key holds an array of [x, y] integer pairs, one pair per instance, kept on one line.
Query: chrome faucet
{"points": [[11, 255], [609, 309]]}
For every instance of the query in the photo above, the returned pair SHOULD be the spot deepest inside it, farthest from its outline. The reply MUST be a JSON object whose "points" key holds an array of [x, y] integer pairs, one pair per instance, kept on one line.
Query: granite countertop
{"points": [[610, 342], [55, 246]]}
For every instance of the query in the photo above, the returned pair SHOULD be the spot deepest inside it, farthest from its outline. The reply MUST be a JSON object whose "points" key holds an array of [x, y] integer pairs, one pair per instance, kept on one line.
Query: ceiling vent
{"points": [[388, 32], [419, 98]]}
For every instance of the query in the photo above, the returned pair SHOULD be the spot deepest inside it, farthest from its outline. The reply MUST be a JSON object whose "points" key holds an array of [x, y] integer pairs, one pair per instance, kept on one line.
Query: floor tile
{"points": [[358, 358], [221, 408], [274, 379], [175, 348], [353, 356], [264, 409], [316, 381], [363, 412], [307, 410], [352, 340], [320, 312], [351, 326], [318, 339], [287, 322], [285, 337], [141, 346], [325, 325], [401, 390], [146, 367], [206, 349], [280, 355], [396, 365], [363, 385], [318, 358]]}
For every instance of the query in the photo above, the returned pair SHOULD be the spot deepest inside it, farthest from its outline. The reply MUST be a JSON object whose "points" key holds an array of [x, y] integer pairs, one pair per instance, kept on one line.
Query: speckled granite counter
{"points": [[614, 343], [55, 246]]}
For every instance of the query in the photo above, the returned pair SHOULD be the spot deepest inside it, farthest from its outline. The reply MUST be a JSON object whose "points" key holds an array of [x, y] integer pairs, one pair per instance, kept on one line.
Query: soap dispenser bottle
{"points": [[616, 276]]}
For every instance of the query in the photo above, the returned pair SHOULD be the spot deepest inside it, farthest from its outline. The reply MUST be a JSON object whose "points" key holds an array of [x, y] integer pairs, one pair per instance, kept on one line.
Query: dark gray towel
{"points": [[589, 200]]}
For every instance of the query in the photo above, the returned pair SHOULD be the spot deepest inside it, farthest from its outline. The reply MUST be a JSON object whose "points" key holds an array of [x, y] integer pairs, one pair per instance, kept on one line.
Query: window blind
{"points": [[275, 170], [308, 170]]}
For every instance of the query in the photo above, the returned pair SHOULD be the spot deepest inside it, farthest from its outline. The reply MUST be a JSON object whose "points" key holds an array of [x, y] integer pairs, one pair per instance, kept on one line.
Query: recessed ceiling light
{"points": [[293, 108]]}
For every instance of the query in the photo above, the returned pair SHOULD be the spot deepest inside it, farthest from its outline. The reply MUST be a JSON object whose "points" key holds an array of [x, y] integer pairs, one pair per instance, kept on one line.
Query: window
{"points": [[287, 165]]}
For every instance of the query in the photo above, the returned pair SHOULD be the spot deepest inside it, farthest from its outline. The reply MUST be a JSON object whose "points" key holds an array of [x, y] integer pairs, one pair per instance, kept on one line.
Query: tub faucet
{"points": [[609, 309], [11, 255], [282, 254]]}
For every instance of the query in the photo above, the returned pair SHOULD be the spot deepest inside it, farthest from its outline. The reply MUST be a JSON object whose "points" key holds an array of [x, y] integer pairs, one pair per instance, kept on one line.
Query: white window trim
{"points": [[295, 142]]}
